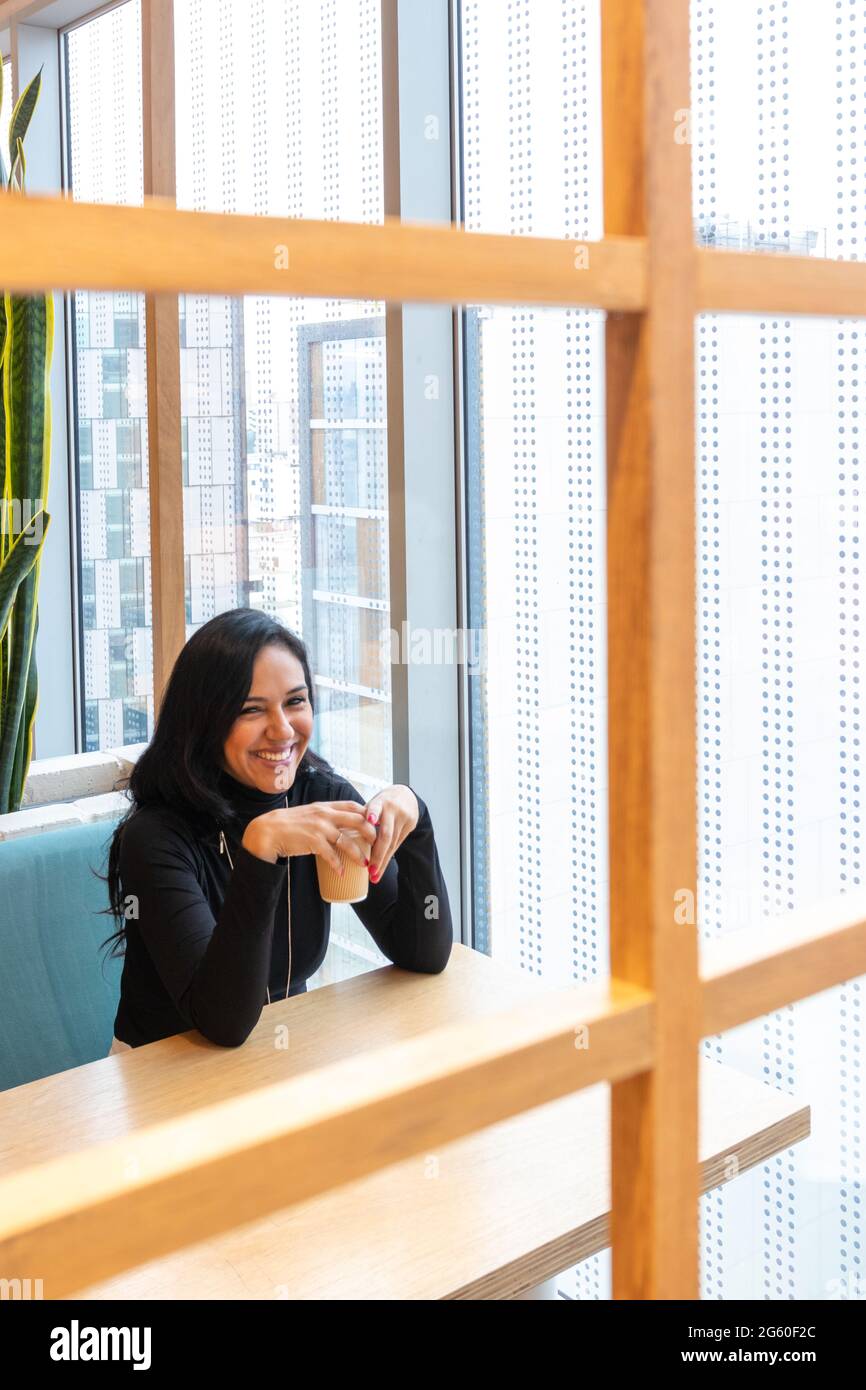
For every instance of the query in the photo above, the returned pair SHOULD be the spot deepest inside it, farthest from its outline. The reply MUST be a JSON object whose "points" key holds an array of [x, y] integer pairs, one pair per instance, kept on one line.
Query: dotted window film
{"points": [[534, 429], [777, 112], [775, 127]]}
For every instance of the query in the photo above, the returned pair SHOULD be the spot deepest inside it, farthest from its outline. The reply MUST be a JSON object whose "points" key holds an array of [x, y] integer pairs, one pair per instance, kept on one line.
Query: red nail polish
{"points": [[366, 863], [371, 818]]}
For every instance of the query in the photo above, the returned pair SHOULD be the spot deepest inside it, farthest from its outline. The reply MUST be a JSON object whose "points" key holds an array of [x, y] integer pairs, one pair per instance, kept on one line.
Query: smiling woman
{"points": [[212, 872], [275, 725]]}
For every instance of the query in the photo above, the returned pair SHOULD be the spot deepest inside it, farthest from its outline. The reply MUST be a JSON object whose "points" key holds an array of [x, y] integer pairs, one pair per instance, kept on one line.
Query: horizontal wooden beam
{"points": [[749, 973], [88, 1215], [772, 282], [54, 243]]}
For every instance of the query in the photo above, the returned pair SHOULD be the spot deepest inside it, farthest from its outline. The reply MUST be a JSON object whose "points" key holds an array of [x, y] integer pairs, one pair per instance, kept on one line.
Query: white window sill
{"points": [[72, 790]]}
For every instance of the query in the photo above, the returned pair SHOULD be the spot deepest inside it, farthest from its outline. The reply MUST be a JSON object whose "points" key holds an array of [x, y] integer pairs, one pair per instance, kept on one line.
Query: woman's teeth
{"points": [[277, 757]]}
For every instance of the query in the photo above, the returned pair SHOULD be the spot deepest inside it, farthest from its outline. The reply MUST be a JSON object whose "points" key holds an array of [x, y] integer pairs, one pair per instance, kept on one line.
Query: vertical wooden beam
{"points": [[651, 646], [163, 356]]}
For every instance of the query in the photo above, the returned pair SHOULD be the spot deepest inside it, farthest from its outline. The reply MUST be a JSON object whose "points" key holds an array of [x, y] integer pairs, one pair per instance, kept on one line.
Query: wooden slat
{"points": [[651, 645], [162, 358], [492, 1214], [58, 244], [758, 282], [747, 974], [93, 246], [90, 1214]]}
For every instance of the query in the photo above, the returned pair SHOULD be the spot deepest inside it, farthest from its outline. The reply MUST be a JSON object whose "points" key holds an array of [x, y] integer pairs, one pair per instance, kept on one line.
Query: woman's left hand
{"points": [[395, 813]]}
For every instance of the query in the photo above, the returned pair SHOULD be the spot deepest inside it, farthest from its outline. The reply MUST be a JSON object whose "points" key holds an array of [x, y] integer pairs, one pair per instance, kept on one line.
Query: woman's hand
{"points": [[312, 829], [394, 812]]}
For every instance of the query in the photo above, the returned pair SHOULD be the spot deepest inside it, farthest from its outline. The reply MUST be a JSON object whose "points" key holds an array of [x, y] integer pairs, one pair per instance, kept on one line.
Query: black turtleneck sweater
{"points": [[208, 941]]}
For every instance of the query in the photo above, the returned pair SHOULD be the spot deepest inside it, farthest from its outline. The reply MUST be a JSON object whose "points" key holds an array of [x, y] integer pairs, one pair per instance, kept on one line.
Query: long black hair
{"points": [[181, 766]]}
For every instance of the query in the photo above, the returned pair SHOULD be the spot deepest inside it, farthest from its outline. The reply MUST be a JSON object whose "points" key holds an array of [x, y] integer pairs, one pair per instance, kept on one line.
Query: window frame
{"points": [[421, 69]]}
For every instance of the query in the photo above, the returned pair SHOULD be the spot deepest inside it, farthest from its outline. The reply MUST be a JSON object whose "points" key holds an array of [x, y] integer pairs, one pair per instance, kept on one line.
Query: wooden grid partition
{"points": [[232, 1162]]}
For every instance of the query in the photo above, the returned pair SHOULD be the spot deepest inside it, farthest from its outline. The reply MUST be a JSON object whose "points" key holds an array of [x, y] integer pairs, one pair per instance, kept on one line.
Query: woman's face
{"points": [[276, 718]]}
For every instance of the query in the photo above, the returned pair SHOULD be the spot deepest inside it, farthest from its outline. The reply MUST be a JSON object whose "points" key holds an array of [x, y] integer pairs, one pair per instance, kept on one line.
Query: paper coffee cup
{"points": [[352, 885]]}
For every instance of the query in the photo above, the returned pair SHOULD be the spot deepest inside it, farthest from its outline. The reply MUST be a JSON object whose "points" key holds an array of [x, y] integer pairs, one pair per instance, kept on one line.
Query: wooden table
{"points": [[487, 1217]]}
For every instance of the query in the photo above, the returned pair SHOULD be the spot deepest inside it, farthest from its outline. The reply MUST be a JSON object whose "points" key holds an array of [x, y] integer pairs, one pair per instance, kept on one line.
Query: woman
{"points": [[212, 871]]}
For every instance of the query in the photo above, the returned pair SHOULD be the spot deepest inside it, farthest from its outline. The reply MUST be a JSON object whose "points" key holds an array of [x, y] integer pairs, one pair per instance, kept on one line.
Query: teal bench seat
{"points": [[58, 990]]}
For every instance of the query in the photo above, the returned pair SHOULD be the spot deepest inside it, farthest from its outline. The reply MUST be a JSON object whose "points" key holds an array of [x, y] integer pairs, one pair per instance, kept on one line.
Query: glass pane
{"points": [[535, 500], [283, 399], [778, 555], [531, 139], [103, 95], [776, 126], [791, 1227]]}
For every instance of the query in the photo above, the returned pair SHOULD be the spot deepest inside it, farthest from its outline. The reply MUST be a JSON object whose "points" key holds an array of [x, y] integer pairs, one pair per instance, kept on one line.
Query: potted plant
{"points": [[26, 341]]}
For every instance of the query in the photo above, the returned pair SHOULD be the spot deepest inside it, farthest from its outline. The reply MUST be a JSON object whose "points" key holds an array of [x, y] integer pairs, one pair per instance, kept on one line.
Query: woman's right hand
{"points": [[312, 829]]}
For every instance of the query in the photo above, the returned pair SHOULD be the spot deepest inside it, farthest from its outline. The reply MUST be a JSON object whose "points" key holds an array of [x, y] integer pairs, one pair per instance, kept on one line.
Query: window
{"points": [[285, 398], [129, 457], [84, 434], [535, 500], [135, 721], [125, 324], [105, 165], [344, 487], [535, 497], [778, 166], [88, 593], [91, 725], [119, 669], [132, 593], [114, 377], [284, 467], [283, 446], [777, 668]]}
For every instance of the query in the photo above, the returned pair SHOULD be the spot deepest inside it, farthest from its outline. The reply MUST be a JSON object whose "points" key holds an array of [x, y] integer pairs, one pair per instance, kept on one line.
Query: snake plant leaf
{"points": [[21, 635], [21, 116], [3, 545], [16, 567], [26, 341], [19, 167], [27, 361], [24, 746], [29, 334], [23, 631], [5, 540]]}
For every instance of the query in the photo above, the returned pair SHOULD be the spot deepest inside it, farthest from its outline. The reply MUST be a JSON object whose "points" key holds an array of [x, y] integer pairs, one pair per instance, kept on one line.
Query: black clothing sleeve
{"points": [[407, 912], [216, 971]]}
